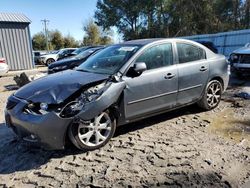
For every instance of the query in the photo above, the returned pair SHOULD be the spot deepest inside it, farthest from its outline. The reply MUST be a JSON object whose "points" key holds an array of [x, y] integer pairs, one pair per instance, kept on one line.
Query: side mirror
{"points": [[140, 67], [137, 69]]}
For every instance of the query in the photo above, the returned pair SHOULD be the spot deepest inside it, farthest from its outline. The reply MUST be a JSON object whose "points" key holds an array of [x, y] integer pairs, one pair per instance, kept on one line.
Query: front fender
{"points": [[109, 97]]}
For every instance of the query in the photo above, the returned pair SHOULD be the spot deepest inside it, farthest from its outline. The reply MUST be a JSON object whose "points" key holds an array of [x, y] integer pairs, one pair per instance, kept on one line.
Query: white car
{"points": [[56, 55], [4, 68]]}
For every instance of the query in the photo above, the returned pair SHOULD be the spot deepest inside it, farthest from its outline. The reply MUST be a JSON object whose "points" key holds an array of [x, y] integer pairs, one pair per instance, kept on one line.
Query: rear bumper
{"points": [[47, 130], [41, 61]]}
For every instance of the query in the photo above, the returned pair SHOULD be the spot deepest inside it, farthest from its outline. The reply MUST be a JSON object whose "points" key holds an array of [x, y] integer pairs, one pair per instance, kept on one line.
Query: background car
{"points": [[240, 61], [120, 84], [37, 55], [80, 50], [47, 59], [4, 68], [70, 63]]}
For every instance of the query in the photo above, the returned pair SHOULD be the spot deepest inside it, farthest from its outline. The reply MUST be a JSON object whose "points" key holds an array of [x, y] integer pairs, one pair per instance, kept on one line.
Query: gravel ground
{"points": [[184, 148]]}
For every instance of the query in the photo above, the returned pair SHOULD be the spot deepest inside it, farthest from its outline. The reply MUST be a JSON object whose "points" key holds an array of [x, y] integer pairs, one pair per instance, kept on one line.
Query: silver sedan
{"points": [[121, 84]]}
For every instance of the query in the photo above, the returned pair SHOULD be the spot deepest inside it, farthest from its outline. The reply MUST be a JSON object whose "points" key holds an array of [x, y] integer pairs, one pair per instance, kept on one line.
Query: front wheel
{"points": [[49, 61], [91, 135], [211, 96]]}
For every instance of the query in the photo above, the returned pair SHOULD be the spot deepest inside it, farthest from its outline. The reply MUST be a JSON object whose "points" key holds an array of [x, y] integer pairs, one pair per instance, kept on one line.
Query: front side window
{"points": [[189, 53], [157, 56], [109, 60]]}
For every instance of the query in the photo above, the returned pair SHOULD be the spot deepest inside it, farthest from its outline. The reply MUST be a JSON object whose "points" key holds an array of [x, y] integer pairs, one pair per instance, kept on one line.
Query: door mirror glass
{"points": [[137, 69]]}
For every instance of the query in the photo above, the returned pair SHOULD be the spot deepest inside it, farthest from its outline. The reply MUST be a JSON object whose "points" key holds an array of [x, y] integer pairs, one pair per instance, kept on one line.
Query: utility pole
{"points": [[45, 23]]}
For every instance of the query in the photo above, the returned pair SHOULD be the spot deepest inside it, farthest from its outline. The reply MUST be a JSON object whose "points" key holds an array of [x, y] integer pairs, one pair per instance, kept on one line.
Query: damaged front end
{"points": [[47, 121], [86, 96]]}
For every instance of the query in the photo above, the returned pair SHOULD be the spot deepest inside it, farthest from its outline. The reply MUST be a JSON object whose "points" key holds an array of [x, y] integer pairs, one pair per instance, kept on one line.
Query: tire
{"points": [[88, 135], [211, 96], [49, 61]]}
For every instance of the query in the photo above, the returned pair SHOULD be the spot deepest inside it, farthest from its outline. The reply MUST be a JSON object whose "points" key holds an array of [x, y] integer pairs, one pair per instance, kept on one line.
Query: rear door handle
{"points": [[203, 68], [169, 76]]}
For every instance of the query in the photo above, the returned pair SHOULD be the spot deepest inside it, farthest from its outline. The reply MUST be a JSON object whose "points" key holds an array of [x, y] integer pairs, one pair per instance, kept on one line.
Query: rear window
{"points": [[37, 53], [189, 53]]}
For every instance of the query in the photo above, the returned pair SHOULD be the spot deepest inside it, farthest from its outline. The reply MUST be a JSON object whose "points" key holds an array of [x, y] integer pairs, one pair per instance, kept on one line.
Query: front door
{"points": [[156, 88]]}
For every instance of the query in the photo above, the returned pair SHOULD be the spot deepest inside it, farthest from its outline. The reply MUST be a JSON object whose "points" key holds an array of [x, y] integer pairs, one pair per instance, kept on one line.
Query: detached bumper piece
{"points": [[48, 130]]}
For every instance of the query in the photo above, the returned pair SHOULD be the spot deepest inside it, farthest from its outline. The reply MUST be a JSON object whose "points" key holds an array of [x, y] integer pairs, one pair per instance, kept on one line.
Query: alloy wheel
{"points": [[95, 132], [214, 94]]}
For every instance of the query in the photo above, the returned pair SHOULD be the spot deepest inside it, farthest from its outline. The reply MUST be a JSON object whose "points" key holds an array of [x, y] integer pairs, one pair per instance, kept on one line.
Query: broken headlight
{"points": [[36, 108], [89, 95], [95, 92]]}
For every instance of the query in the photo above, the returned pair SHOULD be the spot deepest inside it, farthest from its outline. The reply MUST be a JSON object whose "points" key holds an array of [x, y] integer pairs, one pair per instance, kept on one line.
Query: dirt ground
{"points": [[184, 148]]}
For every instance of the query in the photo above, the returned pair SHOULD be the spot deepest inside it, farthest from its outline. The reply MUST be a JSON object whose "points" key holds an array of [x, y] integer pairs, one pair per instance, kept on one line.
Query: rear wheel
{"points": [[91, 135], [212, 95]]}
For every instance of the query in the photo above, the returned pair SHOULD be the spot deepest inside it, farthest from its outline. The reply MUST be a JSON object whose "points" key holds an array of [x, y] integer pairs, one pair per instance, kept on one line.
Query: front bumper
{"points": [[48, 130], [41, 61], [241, 67]]}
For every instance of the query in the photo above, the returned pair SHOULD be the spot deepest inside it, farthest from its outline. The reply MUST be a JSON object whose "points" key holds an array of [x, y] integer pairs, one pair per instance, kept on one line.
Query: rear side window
{"points": [[189, 53], [157, 56], [37, 53]]}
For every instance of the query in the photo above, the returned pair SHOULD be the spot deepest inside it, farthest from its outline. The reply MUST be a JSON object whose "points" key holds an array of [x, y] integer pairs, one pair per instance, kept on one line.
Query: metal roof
{"points": [[14, 17]]}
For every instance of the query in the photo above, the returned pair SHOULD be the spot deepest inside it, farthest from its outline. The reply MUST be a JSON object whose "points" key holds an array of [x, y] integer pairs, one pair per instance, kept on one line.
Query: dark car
{"points": [[80, 50], [240, 61], [72, 62], [118, 85], [210, 45]]}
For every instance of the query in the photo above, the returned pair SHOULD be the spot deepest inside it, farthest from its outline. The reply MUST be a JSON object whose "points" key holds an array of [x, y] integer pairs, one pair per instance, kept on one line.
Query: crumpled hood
{"points": [[244, 50], [55, 88]]}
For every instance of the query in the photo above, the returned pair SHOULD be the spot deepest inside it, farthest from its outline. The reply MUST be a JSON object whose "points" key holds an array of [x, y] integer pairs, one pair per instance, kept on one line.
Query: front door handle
{"points": [[169, 76], [203, 68]]}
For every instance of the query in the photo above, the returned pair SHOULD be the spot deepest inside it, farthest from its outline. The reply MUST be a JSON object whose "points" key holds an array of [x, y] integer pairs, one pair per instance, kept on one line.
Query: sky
{"points": [[67, 16]]}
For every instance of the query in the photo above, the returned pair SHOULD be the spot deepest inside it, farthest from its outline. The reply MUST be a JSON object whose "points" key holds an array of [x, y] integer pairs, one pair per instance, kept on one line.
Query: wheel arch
{"points": [[108, 100], [218, 78]]}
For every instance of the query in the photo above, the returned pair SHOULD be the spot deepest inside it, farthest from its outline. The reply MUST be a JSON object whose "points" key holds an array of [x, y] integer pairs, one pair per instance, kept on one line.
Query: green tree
{"points": [[170, 18], [38, 41], [70, 42], [94, 35], [56, 39], [124, 14]]}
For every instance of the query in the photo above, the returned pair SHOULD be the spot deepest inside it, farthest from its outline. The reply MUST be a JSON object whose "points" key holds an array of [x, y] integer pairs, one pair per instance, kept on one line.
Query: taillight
{"points": [[2, 60]]}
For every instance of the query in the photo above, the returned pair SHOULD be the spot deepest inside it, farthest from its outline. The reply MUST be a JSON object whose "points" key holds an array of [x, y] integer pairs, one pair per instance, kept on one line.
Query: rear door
{"points": [[193, 69], [156, 88]]}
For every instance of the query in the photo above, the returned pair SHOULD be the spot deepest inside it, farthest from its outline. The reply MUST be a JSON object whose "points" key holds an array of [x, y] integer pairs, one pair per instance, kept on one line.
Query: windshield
{"points": [[85, 53], [109, 60], [61, 52], [79, 50]]}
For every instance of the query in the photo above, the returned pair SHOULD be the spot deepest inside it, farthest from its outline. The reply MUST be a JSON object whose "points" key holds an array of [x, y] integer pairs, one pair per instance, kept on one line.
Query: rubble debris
{"points": [[22, 79], [245, 93]]}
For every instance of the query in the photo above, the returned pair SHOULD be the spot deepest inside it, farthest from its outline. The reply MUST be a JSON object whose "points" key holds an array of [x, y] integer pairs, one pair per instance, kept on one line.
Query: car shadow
{"points": [[17, 155], [193, 109]]}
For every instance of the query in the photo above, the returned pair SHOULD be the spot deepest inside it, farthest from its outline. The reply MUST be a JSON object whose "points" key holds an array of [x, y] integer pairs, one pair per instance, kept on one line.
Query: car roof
{"points": [[68, 48], [144, 42]]}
